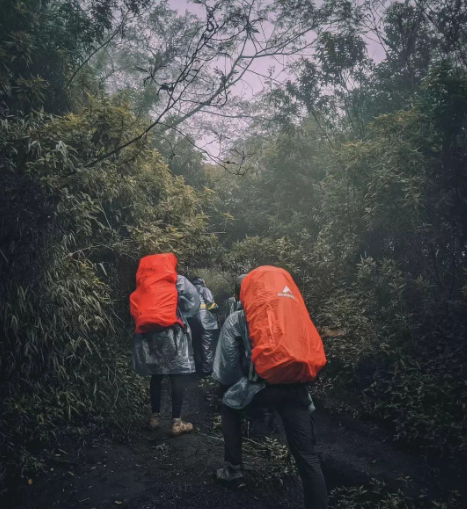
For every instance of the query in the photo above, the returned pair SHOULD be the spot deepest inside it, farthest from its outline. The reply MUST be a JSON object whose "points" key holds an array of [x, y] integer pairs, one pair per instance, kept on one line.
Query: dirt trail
{"points": [[149, 470]]}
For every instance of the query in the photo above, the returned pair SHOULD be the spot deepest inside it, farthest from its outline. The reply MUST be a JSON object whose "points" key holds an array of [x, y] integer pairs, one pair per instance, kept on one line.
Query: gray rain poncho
{"points": [[232, 363], [169, 351], [205, 329]]}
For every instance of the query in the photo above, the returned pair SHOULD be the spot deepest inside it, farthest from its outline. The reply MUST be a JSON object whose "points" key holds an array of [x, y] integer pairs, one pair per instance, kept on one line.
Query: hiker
{"points": [[233, 303], [228, 307], [162, 346], [205, 329], [261, 417], [266, 355]]}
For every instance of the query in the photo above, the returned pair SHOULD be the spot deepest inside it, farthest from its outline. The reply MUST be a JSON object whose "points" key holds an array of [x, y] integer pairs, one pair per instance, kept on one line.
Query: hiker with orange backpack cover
{"points": [[267, 355], [162, 346]]}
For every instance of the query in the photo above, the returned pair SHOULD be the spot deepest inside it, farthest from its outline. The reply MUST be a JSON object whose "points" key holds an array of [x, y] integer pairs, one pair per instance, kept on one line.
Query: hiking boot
{"points": [[230, 474], [154, 421], [179, 427]]}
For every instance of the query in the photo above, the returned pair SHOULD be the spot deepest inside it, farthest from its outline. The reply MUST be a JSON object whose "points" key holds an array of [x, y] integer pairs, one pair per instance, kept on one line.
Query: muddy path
{"points": [[149, 470]]}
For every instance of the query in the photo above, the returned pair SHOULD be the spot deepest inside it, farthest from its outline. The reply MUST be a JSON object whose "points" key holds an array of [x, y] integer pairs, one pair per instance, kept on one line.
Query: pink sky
{"points": [[375, 50], [252, 83]]}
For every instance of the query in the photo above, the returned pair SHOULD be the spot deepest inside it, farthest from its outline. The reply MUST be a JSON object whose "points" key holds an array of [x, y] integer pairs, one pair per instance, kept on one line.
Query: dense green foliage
{"points": [[375, 232], [355, 182]]}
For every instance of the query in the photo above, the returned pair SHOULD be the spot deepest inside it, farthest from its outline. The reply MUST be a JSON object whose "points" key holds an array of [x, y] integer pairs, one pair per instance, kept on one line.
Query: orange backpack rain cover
{"points": [[154, 302], [286, 347]]}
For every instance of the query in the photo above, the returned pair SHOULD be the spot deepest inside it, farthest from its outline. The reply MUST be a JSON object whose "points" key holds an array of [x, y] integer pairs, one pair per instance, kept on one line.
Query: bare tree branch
{"points": [[103, 45], [197, 86]]}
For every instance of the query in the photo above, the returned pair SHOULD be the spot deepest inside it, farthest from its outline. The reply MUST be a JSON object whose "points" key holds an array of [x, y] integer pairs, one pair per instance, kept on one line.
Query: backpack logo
{"points": [[286, 292]]}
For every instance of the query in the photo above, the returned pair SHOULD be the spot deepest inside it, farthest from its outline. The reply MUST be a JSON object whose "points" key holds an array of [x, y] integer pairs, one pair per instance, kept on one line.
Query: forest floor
{"points": [[143, 469]]}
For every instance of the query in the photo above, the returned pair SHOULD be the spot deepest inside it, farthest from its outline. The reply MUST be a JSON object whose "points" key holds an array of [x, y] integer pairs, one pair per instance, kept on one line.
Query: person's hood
{"points": [[198, 281]]}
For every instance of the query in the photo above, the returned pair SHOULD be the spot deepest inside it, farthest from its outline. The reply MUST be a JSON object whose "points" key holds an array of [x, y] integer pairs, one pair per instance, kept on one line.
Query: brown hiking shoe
{"points": [[179, 427], [154, 421]]}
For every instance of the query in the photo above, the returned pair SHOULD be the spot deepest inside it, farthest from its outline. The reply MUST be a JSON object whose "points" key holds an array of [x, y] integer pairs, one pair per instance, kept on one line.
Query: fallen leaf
{"points": [[118, 502], [29, 481]]}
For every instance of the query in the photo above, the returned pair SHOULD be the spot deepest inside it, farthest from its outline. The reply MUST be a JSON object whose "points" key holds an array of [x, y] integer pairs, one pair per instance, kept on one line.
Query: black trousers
{"points": [[291, 402], [178, 388], [204, 346]]}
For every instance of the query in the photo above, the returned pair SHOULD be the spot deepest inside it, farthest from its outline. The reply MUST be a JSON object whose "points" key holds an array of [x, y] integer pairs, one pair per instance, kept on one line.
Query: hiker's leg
{"points": [[232, 430], [155, 389], [198, 353], [298, 426], [179, 427], [208, 344], [178, 389], [263, 404], [196, 331]]}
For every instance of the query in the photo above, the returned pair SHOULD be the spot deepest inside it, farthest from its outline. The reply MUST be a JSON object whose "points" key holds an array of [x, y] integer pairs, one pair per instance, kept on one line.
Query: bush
{"points": [[424, 400], [377, 495]]}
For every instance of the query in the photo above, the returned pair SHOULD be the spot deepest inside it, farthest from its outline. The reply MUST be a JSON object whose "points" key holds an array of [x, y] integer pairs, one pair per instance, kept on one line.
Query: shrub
{"points": [[425, 400], [377, 495]]}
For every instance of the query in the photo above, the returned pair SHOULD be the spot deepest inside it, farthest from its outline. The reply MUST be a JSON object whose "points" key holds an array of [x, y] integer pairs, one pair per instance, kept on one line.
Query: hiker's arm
{"points": [[209, 299], [188, 297], [227, 362]]}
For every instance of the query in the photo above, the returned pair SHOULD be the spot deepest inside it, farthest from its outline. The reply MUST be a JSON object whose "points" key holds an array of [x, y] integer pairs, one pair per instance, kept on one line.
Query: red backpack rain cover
{"points": [[286, 347], [154, 302]]}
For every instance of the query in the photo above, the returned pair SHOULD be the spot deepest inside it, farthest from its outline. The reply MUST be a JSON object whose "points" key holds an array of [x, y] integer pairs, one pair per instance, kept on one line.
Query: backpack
{"points": [[153, 304], [286, 347]]}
